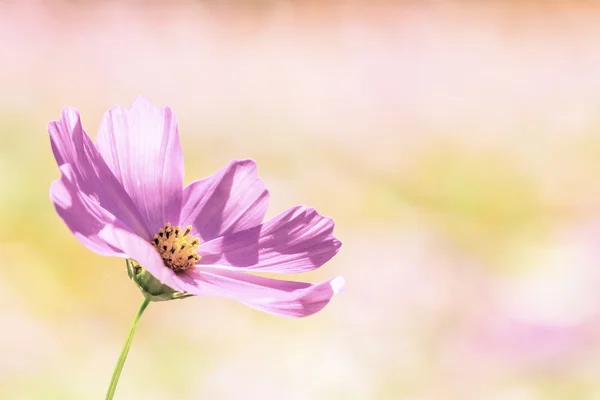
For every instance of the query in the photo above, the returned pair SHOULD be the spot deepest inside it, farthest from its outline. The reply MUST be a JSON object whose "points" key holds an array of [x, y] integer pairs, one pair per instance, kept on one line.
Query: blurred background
{"points": [[455, 143]]}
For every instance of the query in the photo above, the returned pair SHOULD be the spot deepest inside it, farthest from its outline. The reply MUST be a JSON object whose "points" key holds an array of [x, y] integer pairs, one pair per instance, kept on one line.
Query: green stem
{"points": [[119, 367]]}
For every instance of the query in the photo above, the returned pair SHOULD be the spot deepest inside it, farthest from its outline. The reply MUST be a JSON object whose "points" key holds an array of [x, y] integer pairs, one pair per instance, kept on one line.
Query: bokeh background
{"points": [[455, 143]]}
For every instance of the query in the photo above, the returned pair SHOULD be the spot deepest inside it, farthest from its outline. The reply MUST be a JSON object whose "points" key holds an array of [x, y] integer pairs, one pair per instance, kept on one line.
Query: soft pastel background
{"points": [[456, 144]]}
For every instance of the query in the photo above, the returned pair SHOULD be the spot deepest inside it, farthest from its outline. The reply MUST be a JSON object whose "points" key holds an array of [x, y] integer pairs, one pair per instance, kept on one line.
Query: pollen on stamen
{"points": [[177, 250]]}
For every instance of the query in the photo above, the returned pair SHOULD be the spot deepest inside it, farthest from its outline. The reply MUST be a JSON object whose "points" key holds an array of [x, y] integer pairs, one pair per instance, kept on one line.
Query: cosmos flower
{"points": [[124, 197]]}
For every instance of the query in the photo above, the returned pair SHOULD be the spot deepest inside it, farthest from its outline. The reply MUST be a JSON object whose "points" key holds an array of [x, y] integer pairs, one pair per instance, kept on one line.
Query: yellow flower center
{"points": [[177, 247]]}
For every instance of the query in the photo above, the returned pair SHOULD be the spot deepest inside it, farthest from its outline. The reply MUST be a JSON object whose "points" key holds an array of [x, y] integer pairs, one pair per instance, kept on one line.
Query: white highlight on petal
{"points": [[337, 284]]}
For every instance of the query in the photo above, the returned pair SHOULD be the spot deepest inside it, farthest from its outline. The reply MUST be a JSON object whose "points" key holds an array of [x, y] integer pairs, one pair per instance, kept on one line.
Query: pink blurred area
{"points": [[455, 144]]}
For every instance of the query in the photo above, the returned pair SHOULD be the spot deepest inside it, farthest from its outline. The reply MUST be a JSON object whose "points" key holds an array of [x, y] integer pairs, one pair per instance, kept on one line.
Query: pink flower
{"points": [[124, 197]]}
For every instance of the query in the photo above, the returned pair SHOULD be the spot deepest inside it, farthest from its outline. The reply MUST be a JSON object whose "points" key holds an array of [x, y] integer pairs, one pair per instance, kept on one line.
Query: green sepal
{"points": [[152, 288]]}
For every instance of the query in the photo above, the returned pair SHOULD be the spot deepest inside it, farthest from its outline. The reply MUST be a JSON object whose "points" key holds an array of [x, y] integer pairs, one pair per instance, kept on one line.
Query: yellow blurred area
{"points": [[456, 145]]}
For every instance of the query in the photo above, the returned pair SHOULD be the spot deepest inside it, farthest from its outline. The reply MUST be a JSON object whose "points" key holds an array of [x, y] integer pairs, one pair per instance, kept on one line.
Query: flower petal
{"points": [[141, 147], [71, 145], [141, 251], [277, 297], [232, 199], [82, 214], [297, 240]]}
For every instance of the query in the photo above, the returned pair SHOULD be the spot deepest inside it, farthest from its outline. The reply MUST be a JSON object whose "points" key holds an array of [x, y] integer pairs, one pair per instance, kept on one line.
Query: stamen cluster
{"points": [[177, 247]]}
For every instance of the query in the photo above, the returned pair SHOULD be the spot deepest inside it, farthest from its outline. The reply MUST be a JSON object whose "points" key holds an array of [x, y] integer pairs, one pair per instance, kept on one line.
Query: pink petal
{"points": [[71, 145], [141, 251], [82, 214], [297, 240], [277, 297], [232, 199], [141, 147]]}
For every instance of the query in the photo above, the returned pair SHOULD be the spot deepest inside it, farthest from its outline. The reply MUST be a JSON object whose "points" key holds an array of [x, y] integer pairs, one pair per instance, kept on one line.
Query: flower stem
{"points": [[123, 356]]}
